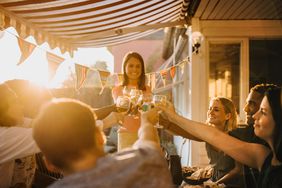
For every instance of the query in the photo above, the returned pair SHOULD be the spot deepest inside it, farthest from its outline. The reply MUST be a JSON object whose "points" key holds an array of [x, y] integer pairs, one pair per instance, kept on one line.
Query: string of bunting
{"points": [[106, 77], [27, 48]]}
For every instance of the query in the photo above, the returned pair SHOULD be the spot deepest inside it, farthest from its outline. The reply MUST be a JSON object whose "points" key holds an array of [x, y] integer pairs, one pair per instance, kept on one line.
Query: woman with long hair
{"points": [[267, 126], [133, 69], [221, 115]]}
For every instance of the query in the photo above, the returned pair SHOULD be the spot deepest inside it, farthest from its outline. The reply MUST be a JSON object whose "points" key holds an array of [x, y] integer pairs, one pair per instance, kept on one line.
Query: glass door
{"points": [[228, 63], [224, 71]]}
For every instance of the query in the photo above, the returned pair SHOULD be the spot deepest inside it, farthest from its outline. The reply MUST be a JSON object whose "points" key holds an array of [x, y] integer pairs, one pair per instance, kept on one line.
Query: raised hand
{"points": [[151, 116], [168, 110]]}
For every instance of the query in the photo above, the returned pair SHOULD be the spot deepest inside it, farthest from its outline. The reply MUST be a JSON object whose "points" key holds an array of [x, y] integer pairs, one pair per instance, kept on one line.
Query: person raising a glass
{"points": [[127, 95]]}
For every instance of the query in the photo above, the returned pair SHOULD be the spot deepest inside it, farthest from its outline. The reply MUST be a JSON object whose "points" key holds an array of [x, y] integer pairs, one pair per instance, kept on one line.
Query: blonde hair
{"points": [[229, 107]]}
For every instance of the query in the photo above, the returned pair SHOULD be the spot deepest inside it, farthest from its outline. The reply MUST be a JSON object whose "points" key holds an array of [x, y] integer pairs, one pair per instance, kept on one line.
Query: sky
{"points": [[35, 67]]}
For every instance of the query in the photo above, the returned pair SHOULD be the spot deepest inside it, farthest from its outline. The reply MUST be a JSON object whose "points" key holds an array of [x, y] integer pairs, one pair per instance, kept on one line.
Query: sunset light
{"points": [[35, 67]]}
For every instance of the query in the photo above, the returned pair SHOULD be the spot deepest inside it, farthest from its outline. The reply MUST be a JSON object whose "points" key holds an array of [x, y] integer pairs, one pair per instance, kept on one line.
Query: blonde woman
{"points": [[222, 116], [267, 126]]}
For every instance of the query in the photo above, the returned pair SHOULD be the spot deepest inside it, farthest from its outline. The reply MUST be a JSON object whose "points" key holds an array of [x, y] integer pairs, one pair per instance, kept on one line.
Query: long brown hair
{"points": [[142, 78]]}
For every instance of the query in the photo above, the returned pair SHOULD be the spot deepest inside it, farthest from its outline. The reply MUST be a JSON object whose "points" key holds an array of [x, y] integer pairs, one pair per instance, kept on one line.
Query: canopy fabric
{"points": [[70, 24]]}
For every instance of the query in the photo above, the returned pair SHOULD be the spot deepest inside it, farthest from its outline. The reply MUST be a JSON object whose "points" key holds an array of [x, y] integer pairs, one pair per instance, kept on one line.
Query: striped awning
{"points": [[71, 24]]}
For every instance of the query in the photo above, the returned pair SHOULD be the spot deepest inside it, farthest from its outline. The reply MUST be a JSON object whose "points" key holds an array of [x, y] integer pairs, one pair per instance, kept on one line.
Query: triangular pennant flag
{"points": [[26, 49], [53, 63], [172, 72], [81, 73], [163, 76], [103, 76]]}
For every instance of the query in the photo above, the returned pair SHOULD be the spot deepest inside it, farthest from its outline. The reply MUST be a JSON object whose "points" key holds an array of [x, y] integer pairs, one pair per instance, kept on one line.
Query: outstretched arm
{"points": [[175, 129], [103, 112], [147, 133], [250, 154], [110, 120]]}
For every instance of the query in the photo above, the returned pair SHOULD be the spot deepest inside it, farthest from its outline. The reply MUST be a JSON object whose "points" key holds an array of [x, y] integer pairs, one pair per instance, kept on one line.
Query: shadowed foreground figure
{"points": [[66, 133], [16, 144]]}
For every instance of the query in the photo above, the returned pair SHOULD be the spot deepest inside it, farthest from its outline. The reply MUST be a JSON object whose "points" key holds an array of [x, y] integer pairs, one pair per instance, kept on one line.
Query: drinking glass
{"points": [[159, 100], [146, 102], [135, 98], [123, 104], [135, 95]]}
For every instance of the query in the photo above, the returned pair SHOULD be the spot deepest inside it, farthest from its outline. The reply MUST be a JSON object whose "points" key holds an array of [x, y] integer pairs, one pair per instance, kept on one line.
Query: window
{"points": [[224, 71]]}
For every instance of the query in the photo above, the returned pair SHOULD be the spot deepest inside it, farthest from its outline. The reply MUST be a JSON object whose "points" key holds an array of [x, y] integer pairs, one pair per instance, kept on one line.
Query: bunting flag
{"points": [[163, 76], [172, 72], [81, 73], [26, 49], [117, 78], [53, 63], [103, 76]]}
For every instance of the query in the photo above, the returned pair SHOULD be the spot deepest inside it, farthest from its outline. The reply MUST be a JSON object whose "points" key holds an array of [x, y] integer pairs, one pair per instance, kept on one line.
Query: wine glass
{"points": [[135, 101], [135, 95], [146, 103], [123, 104], [159, 100]]}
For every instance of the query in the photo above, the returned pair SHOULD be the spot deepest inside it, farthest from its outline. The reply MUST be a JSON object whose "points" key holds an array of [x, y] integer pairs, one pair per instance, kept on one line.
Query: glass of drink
{"points": [[135, 95], [135, 101], [146, 102], [123, 104], [159, 100]]}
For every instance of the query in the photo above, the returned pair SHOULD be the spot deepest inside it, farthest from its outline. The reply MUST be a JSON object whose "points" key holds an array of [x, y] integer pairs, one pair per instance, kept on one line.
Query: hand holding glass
{"points": [[159, 100], [123, 104]]}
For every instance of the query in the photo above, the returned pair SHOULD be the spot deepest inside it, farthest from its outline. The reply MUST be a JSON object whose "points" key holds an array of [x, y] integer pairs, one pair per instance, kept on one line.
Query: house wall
{"points": [[222, 31]]}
